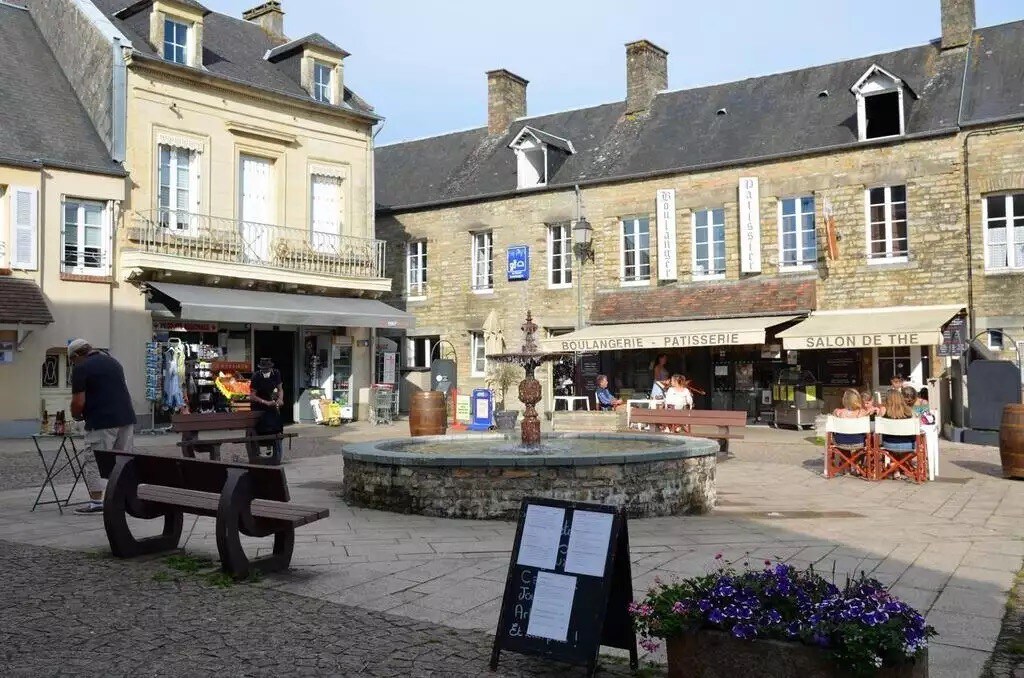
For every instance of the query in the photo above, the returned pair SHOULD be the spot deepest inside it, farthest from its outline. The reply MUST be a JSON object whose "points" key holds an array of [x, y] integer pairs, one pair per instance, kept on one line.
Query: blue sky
{"points": [[421, 63]]}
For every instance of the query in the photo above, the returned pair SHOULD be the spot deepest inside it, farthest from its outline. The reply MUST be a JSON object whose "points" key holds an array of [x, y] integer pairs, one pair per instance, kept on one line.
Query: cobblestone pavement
{"points": [[72, 614]]}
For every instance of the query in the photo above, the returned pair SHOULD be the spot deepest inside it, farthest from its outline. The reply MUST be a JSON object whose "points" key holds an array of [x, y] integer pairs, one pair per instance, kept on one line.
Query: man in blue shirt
{"points": [[605, 399]]}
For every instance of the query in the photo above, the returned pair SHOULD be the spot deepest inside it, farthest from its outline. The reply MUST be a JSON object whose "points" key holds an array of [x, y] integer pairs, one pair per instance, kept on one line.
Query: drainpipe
{"points": [[118, 102]]}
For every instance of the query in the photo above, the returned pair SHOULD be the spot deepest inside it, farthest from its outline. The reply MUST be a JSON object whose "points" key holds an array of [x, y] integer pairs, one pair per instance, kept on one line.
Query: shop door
{"points": [[256, 207], [280, 347]]}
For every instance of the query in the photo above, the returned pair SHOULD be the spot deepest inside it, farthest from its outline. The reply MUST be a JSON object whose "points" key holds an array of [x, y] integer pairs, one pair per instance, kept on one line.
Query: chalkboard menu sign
{"points": [[569, 584], [954, 337], [840, 368], [590, 367]]}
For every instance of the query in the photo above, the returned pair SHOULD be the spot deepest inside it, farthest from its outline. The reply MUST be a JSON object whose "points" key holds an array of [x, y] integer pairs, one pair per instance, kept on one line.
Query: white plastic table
{"points": [[570, 402], [650, 402], [931, 441]]}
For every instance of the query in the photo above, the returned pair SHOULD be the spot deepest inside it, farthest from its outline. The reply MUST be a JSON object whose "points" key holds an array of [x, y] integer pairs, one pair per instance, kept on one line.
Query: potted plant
{"points": [[501, 378], [780, 621]]}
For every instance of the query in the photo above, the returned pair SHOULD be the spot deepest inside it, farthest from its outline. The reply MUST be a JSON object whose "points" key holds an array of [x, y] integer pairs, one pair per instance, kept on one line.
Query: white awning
{"points": [[870, 328], [678, 334]]}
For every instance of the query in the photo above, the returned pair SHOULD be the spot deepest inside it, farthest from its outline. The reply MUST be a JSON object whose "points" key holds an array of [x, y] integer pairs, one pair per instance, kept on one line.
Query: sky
{"points": [[421, 63]]}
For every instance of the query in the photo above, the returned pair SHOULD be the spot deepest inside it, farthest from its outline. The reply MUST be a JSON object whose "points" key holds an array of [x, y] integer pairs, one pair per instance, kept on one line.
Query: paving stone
{"points": [[968, 601], [947, 661], [965, 630]]}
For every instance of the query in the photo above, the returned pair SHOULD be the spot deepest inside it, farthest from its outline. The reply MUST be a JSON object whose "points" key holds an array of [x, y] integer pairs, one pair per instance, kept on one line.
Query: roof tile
{"points": [[22, 302]]}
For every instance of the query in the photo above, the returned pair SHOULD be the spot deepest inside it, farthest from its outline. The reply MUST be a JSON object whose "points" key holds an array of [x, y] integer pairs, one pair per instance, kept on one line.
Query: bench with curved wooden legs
{"points": [[245, 499]]}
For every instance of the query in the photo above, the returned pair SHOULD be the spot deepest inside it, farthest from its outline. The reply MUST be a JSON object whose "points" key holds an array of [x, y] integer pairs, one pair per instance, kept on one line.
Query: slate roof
{"points": [[766, 117], [313, 40], [41, 118], [21, 301], [775, 296], [234, 49]]}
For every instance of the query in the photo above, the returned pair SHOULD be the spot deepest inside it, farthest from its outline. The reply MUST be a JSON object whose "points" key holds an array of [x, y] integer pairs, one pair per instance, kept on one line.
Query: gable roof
{"points": [[772, 116], [543, 137], [43, 121], [313, 40], [235, 50]]}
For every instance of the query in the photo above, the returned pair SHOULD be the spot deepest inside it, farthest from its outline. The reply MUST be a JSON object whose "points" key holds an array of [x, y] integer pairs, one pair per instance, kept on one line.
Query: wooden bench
{"points": [[190, 425], [245, 499], [725, 422]]}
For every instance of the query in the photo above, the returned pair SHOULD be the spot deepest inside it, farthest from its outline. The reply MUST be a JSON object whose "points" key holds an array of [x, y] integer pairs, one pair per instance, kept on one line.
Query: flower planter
{"points": [[505, 420], [715, 654]]}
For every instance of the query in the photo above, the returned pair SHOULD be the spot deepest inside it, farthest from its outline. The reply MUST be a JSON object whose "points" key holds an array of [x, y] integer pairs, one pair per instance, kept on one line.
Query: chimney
{"points": [[957, 22], [269, 16], [506, 100], [646, 74]]}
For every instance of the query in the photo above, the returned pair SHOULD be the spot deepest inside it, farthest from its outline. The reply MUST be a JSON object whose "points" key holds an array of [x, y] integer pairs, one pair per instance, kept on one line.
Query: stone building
{"points": [[247, 228], [808, 223]]}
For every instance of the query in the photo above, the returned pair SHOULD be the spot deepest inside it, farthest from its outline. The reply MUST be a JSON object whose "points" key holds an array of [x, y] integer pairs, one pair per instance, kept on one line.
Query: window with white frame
{"points": [[560, 255], [887, 223], [894, 361], [85, 238], [798, 245], [478, 354], [636, 251], [483, 262], [323, 88], [995, 340], [1004, 232], [416, 269], [325, 213], [419, 351], [709, 243], [879, 104], [178, 179], [176, 39]]}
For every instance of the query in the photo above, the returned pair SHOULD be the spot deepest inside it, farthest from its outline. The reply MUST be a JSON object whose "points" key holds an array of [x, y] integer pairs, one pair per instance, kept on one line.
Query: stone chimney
{"points": [[957, 22], [506, 100], [269, 16], [646, 74]]}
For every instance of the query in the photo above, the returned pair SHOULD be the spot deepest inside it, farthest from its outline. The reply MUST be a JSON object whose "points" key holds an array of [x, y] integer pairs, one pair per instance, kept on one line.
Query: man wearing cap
{"points": [[99, 395], [266, 394]]}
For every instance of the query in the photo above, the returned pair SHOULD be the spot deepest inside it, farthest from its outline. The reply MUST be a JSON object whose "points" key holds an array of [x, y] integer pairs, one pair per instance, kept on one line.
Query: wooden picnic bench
{"points": [[190, 425], [725, 422], [245, 499]]}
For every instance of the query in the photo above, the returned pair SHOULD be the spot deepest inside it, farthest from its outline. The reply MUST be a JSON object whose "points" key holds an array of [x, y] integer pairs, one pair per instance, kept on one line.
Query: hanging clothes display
{"points": [[174, 372]]}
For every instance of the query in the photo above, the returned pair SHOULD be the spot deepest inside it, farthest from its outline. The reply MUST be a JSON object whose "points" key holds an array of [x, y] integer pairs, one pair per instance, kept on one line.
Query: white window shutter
{"points": [[24, 228]]}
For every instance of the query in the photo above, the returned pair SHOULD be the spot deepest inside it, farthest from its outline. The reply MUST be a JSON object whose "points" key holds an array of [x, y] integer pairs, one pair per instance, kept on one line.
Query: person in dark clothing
{"points": [[99, 395], [266, 395]]}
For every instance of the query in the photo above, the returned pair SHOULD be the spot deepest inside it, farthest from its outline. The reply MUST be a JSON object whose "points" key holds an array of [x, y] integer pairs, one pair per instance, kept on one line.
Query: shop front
{"points": [[866, 348], [206, 341], [731, 362]]}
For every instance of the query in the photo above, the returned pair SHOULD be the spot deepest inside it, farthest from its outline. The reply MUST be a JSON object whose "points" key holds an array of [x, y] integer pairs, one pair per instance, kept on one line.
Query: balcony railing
{"points": [[202, 237]]}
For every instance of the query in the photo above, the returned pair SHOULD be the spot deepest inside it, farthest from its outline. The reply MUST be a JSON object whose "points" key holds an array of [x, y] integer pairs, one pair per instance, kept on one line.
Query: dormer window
{"points": [[322, 82], [176, 39], [538, 156], [880, 97]]}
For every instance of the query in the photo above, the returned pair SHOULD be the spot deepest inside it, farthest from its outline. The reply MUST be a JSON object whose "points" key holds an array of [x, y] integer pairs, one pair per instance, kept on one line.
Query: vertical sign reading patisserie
{"points": [[667, 234], [750, 226]]}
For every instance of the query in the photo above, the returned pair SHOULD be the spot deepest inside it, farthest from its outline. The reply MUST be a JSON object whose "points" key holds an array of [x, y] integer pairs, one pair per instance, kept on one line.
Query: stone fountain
{"points": [[529, 358]]}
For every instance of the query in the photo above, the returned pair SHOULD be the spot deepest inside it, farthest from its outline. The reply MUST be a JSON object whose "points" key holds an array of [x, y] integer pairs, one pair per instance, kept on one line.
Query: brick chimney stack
{"points": [[506, 100], [957, 22], [646, 74], [269, 16]]}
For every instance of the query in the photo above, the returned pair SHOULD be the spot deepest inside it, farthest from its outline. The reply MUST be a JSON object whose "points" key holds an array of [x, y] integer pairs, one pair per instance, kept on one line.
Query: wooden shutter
{"points": [[24, 228]]}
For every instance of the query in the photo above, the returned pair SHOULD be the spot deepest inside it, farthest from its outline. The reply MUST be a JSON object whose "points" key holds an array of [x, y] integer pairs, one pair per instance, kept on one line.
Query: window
{"points": [[478, 355], [416, 269], [85, 242], [419, 351], [887, 223], [995, 340], [560, 255], [483, 264], [325, 213], [1004, 232], [709, 243], [322, 88], [636, 251], [894, 361], [798, 247], [882, 115], [176, 41], [178, 195]]}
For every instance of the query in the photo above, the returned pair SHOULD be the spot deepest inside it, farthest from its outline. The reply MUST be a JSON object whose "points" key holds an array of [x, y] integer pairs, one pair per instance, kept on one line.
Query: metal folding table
{"points": [[66, 456]]}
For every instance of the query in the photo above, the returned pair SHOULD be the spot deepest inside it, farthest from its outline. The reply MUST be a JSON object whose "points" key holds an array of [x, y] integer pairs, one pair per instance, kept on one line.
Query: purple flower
{"points": [[704, 604], [745, 631], [649, 645], [820, 639], [716, 616], [679, 607], [793, 629]]}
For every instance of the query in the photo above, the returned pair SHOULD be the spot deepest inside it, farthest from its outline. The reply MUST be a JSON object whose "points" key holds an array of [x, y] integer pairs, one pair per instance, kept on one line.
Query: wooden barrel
{"points": [[1011, 441], [428, 415]]}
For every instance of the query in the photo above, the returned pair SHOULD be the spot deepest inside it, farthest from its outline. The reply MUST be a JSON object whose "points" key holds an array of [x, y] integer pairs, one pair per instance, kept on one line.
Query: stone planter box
{"points": [[505, 420], [714, 654]]}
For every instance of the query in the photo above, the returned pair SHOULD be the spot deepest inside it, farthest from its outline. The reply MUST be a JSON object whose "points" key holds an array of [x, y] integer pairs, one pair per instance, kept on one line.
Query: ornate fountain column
{"points": [[529, 387]]}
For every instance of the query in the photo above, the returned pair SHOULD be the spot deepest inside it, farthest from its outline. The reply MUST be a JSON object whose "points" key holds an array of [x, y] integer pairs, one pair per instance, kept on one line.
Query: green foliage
{"points": [[502, 377], [187, 563]]}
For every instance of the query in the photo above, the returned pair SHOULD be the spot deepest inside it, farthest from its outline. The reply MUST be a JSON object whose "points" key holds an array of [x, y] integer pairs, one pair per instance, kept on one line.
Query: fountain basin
{"points": [[485, 476]]}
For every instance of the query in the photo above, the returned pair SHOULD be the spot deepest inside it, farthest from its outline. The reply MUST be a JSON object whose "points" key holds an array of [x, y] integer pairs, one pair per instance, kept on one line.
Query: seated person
{"points": [[605, 399], [853, 408], [678, 396], [918, 404], [896, 407], [868, 403]]}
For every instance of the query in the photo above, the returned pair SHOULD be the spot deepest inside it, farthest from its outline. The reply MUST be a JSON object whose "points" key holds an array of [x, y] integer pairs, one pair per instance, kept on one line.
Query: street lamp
{"points": [[582, 233]]}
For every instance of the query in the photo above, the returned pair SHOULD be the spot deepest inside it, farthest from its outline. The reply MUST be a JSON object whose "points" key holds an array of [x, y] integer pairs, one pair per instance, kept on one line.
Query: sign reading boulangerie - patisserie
{"points": [[667, 265], [750, 225]]}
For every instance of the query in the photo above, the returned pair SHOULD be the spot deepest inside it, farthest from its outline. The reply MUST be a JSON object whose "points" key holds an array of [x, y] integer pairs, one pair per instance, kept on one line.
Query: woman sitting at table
{"points": [[896, 407], [678, 396], [853, 408], [868, 403]]}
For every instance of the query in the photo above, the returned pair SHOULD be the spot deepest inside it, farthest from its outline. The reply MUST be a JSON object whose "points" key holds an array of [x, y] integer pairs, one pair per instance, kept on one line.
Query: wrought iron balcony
{"points": [[187, 235]]}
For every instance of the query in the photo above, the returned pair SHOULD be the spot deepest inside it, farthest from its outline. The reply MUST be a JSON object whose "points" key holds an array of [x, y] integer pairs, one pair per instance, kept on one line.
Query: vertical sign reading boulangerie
{"points": [[750, 225], [667, 234]]}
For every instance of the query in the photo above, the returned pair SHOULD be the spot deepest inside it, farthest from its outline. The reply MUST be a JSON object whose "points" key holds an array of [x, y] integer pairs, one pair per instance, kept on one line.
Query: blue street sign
{"points": [[519, 262]]}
